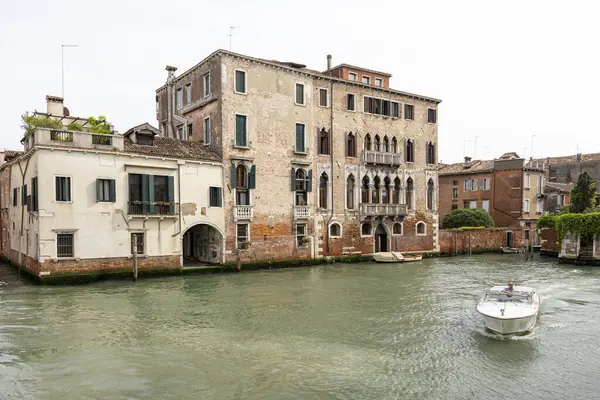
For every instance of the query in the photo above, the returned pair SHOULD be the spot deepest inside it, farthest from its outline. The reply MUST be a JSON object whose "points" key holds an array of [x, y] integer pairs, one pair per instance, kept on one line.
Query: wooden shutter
{"points": [[113, 191], [24, 200], [56, 189], [240, 130], [171, 194], [346, 149], [233, 176], [219, 197], [68, 186], [98, 189], [34, 189], [293, 180], [309, 181], [252, 178], [146, 193]]}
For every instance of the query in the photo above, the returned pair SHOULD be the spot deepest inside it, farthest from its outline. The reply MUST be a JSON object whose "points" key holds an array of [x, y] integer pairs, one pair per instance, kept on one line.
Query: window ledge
{"points": [[242, 93], [298, 104], [302, 153], [235, 146]]}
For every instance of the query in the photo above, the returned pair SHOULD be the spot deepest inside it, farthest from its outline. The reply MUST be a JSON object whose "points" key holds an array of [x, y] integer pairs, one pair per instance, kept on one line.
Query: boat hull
{"points": [[511, 326], [392, 257]]}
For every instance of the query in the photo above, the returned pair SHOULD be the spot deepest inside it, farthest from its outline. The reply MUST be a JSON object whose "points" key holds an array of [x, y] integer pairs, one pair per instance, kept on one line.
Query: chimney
{"points": [[467, 159], [54, 105], [1, 156], [328, 62], [578, 157], [171, 71]]}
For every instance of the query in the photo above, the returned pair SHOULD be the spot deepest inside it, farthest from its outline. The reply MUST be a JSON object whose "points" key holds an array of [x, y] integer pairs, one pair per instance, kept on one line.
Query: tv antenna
{"points": [[231, 28], [62, 50]]}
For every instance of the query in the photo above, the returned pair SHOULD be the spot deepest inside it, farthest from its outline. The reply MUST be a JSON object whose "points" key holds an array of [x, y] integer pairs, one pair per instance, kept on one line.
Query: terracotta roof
{"points": [[360, 69], [173, 148], [141, 127], [512, 154], [475, 166], [569, 159], [558, 187], [11, 154]]}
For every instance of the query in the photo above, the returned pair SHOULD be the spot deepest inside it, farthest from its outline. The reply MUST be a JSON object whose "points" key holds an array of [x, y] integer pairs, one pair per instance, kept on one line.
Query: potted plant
{"points": [[305, 241], [245, 245]]}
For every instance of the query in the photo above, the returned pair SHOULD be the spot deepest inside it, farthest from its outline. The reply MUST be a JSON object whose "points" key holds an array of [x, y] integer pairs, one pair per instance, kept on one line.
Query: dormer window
{"points": [[144, 140]]}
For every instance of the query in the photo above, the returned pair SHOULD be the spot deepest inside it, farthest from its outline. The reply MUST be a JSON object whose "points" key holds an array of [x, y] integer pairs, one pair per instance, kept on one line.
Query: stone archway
{"points": [[381, 239], [202, 244]]}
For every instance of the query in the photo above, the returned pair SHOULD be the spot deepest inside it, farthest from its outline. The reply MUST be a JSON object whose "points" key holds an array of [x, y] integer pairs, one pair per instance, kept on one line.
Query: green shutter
{"points": [[233, 176], [146, 193], [56, 188], [293, 180], [240, 130], [219, 197], [24, 199], [34, 188], [171, 191], [309, 181], [300, 138], [68, 186], [98, 190], [113, 191], [252, 178]]}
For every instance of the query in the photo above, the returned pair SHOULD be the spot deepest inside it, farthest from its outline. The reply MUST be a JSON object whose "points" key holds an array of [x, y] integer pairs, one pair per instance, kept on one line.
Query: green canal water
{"points": [[361, 331]]}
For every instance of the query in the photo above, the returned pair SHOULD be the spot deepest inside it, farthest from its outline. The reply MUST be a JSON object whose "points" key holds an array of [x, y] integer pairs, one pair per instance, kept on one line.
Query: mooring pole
{"points": [[135, 266], [469, 243], [238, 260]]}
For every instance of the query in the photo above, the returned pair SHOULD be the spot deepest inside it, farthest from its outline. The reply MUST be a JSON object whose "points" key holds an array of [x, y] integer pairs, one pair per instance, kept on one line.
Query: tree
{"points": [[472, 217], [583, 195]]}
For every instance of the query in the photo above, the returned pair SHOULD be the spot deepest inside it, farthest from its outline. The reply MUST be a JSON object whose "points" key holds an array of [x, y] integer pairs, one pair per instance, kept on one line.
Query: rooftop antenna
{"points": [[63, 66], [231, 28], [531, 148]]}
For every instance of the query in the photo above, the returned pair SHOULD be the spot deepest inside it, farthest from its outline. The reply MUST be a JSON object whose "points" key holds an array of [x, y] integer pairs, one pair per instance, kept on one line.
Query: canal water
{"points": [[361, 331]]}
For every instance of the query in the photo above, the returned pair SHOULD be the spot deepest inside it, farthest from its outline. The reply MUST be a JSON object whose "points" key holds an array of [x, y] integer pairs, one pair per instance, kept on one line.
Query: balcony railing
{"points": [[104, 140], [61, 136], [301, 212], [152, 208], [379, 157], [242, 212], [373, 210]]}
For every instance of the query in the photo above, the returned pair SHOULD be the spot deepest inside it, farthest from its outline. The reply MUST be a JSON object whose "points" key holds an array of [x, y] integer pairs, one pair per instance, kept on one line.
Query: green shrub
{"points": [[583, 224], [32, 122], [99, 125], [74, 126], [547, 220], [468, 217]]}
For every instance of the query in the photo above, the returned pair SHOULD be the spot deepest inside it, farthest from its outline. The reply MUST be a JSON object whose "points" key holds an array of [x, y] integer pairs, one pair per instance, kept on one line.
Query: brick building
{"points": [[318, 163], [507, 188]]}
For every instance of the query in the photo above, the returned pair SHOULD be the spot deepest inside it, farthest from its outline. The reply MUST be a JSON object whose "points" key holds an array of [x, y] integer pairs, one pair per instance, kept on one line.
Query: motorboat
{"points": [[395, 257], [510, 250], [509, 312]]}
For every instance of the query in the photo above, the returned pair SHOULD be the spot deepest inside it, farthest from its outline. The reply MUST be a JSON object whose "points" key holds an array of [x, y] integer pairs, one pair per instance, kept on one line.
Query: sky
{"points": [[512, 76]]}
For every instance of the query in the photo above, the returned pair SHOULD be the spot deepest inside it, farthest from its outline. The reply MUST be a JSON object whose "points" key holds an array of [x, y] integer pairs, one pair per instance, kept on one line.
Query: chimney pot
{"points": [[54, 105], [467, 159], [328, 62]]}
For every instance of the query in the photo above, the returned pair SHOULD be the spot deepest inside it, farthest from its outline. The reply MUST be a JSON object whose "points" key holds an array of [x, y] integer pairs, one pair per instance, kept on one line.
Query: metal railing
{"points": [[301, 212], [379, 157], [372, 210], [61, 136], [242, 212], [152, 208], [102, 139]]}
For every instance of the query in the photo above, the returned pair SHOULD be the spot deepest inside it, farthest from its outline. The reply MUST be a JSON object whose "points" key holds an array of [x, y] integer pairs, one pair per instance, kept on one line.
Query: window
{"points": [[377, 143], [240, 81], [526, 206], [378, 82], [466, 204], [454, 207], [300, 139], [323, 142], [375, 192], [15, 197], [430, 192], [527, 181], [485, 183], [24, 196], [409, 193], [431, 115], [63, 188], [351, 102], [323, 192], [409, 110], [323, 98], [410, 151], [242, 234], [364, 190], [335, 230], [365, 229], [539, 184], [374, 105], [207, 130], [394, 148], [350, 185], [301, 239], [179, 98], [386, 192], [34, 194], [137, 242], [215, 197], [151, 194], [386, 144], [485, 205], [455, 183], [189, 130], [395, 109], [368, 145], [366, 80], [300, 94], [467, 185], [455, 193], [240, 130], [421, 228], [242, 197], [301, 185], [180, 132], [473, 184], [64, 245], [350, 145], [397, 229], [397, 191], [352, 76], [540, 206], [105, 190], [430, 156], [207, 84], [188, 93]]}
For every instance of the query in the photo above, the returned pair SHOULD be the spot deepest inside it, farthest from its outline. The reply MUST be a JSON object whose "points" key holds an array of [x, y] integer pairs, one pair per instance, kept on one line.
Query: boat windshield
{"points": [[517, 297]]}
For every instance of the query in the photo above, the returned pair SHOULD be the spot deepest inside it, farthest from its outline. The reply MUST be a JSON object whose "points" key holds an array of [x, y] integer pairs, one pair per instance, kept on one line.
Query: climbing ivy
{"points": [[547, 220], [583, 224], [74, 126]]}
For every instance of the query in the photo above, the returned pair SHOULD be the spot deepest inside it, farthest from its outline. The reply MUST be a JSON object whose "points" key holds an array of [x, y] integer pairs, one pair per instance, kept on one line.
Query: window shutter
{"points": [[299, 141], [113, 191], [98, 190], [293, 180], [145, 193], [68, 190], [346, 144], [252, 178], [35, 193], [219, 197], [24, 195], [56, 189], [309, 181], [171, 193], [233, 176]]}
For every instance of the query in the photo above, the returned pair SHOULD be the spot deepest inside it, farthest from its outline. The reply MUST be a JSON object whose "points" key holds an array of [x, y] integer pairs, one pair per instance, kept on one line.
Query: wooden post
{"points": [[238, 260], [135, 266], [469, 243], [455, 244]]}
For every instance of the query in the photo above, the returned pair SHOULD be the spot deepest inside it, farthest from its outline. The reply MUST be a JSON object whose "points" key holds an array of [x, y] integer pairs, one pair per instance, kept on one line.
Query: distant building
{"points": [[75, 201]]}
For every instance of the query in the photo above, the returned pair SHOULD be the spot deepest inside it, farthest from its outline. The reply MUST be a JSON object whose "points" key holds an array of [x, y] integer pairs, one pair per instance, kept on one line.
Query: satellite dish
{"points": [[66, 112]]}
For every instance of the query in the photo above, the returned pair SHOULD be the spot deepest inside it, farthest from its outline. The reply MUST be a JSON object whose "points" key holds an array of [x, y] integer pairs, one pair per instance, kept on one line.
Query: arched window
{"points": [[301, 188], [409, 193], [365, 229], [386, 144], [430, 156], [375, 192], [394, 148], [410, 151], [421, 228], [241, 189], [335, 230], [430, 192], [324, 142], [387, 191], [397, 188], [350, 183], [364, 190], [397, 229], [368, 145], [377, 143], [323, 181], [350, 145]]}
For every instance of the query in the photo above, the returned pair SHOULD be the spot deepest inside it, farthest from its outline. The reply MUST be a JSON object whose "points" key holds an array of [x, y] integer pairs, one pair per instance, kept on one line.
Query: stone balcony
{"points": [[301, 212], [65, 138], [242, 213], [376, 210], [379, 157]]}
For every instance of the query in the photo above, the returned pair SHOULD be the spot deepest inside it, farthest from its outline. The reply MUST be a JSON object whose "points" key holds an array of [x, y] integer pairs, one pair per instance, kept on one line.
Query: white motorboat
{"points": [[509, 312], [395, 257]]}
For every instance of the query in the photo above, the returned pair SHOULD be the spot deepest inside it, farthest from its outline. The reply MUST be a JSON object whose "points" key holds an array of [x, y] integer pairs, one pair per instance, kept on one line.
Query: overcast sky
{"points": [[505, 71]]}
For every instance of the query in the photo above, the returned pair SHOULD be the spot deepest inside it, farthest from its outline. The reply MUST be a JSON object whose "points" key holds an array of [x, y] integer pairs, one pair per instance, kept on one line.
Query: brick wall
{"points": [[452, 240], [549, 240]]}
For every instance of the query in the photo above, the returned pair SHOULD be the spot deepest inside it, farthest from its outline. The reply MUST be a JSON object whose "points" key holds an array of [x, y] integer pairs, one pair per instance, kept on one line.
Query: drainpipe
{"points": [[22, 209], [180, 215], [331, 157]]}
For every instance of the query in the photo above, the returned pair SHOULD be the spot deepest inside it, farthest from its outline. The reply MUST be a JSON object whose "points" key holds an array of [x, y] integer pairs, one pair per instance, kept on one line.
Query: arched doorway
{"points": [[381, 239], [202, 244]]}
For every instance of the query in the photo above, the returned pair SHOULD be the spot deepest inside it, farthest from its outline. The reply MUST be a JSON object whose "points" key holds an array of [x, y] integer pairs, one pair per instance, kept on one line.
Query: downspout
{"points": [[331, 156], [180, 215], [22, 208]]}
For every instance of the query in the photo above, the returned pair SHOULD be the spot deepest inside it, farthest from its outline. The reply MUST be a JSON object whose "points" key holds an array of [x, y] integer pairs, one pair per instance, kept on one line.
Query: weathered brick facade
{"points": [[462, 241]]}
